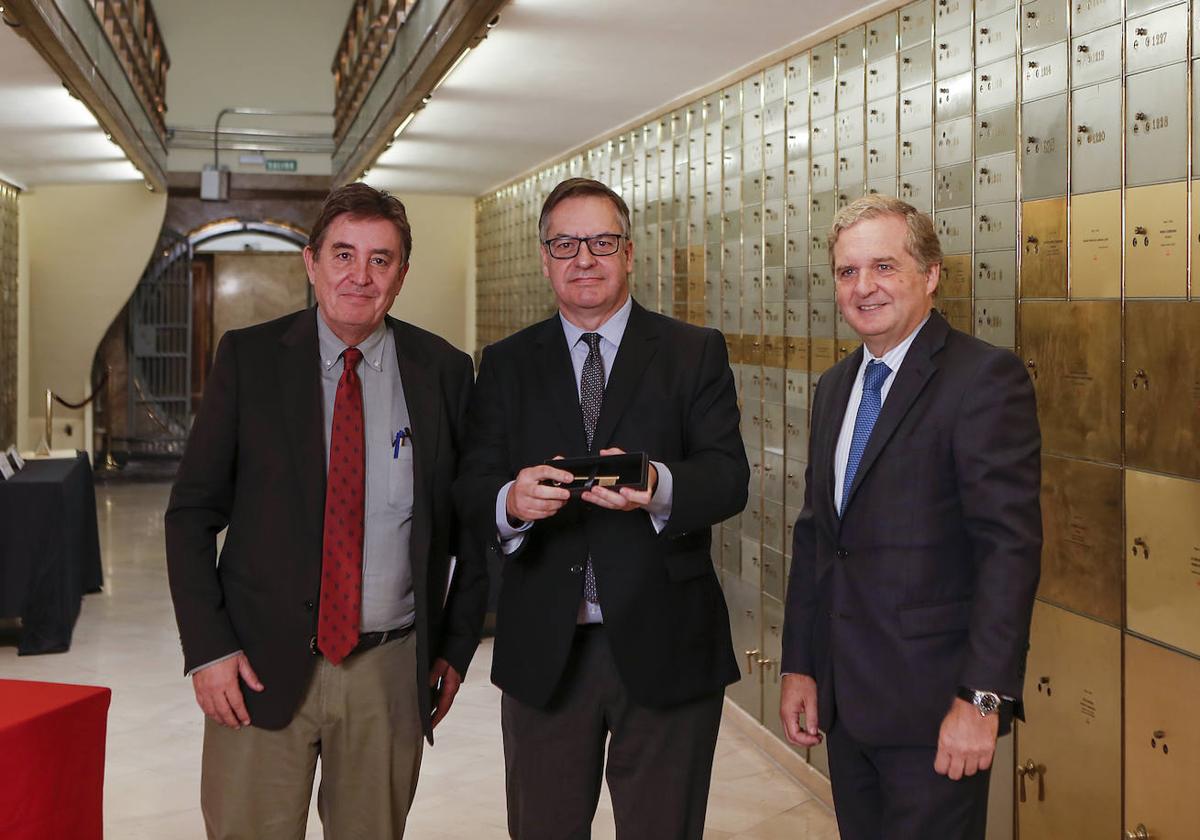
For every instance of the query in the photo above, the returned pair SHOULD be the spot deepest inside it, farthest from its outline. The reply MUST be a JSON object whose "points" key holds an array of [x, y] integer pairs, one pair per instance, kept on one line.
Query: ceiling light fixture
{"points": [[453, 67]]}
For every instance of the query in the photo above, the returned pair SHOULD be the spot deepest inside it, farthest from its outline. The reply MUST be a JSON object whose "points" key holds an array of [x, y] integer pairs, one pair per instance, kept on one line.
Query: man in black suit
{"points": [[611, 623], [326, 444], [917, 553]]}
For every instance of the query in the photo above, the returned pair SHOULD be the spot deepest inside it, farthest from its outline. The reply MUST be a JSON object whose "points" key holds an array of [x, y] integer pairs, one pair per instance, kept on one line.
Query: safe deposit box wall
{"points": [[1053, 143]]}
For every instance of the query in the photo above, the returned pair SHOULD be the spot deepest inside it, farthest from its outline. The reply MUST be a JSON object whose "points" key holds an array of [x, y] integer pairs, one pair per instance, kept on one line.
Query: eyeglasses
{"points": [[600, 245]]}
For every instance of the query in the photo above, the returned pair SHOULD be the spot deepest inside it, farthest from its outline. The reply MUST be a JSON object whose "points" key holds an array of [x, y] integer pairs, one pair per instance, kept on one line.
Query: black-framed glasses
{"points": [[600, 245]]}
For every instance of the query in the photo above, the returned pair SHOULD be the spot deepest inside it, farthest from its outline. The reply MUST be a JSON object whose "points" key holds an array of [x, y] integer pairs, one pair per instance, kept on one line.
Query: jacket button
{"points": [[308, 605], [312, 645], [842, 553], [576, 569]]}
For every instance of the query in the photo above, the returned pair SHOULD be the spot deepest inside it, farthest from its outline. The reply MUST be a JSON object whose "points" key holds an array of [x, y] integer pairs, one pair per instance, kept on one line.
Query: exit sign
{"points": [[280, 165]]}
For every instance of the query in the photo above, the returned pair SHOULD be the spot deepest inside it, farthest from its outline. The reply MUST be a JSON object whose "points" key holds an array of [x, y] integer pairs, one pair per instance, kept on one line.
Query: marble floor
{"points": [[126, 639]]}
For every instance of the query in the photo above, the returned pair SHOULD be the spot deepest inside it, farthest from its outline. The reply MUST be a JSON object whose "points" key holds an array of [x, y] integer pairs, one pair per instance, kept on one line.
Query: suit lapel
{"points": [[559, 388], [422, 399], [300, 382], [841, 383], [915, 372], [638, 345]]}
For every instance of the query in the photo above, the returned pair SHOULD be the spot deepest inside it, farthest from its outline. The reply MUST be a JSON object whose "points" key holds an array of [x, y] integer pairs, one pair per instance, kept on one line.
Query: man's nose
{"points": [[584, 258]]}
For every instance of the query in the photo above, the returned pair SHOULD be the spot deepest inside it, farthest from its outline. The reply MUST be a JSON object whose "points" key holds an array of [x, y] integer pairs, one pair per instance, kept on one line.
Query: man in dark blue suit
{"points": [[917, 552]]}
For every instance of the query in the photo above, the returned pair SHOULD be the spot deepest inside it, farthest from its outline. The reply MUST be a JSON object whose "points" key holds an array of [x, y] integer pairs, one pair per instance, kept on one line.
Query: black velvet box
{"points": [[612, 471]]}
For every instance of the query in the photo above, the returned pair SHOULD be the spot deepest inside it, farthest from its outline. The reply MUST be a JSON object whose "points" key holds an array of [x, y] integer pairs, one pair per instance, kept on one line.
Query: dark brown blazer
{"points": [[255, 464], [671, 395], [927, 582]]}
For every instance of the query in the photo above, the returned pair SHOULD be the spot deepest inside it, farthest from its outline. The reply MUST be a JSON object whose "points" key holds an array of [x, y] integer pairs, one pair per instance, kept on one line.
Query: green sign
{"points": [[281, 165]]}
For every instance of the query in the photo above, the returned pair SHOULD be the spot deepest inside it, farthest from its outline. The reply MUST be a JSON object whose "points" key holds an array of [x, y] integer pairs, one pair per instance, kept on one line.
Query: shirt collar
{"points": [[611, 330], [332, 347], [894, 357]]}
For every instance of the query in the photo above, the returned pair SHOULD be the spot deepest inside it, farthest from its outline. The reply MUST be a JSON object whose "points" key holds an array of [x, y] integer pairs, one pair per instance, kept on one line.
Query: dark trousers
{"points": [[893, 793], [659, 760]]}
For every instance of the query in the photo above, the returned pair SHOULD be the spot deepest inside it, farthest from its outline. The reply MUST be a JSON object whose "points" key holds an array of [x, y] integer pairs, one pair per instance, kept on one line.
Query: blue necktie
{"points": [[868, 413]]}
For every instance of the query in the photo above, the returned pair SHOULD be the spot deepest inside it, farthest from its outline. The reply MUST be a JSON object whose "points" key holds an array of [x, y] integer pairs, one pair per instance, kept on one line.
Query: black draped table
{"points": [[49, 549]]}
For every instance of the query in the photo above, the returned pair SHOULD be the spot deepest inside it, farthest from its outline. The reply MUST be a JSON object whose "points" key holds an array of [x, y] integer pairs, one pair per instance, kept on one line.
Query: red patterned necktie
{"points": [[342, 554]]}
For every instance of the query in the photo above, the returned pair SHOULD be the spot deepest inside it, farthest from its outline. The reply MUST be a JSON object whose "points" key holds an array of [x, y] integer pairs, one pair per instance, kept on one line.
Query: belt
{"points": [[366, 641]]}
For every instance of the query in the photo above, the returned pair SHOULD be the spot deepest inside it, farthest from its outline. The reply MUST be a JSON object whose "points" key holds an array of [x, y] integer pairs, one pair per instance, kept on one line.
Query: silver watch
{"points": [[987, 702]]}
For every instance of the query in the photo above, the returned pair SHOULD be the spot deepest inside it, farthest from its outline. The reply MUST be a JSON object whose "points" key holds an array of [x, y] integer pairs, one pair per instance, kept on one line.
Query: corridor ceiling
{"points": [[551, 77]]}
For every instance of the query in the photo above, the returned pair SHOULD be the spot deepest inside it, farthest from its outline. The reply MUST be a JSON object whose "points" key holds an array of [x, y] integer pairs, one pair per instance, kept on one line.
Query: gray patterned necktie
{"points": [[591, 395]]}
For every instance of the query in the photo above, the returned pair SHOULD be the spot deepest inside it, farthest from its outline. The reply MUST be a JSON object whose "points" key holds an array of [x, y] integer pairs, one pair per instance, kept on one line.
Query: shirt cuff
{"points": [[510, 537], [214, 662], [660, 503]]}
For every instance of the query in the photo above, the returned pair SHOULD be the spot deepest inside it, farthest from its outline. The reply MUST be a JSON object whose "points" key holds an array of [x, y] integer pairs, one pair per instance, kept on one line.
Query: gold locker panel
{"points": [[1002, 791], [1162, 741], [1156, 240], [1073, 353], [955, 281], [1044, 248], [1096, 245], [958, 312], [1162, 386], [1162, 535], [1083, 560], [1069, 752]]}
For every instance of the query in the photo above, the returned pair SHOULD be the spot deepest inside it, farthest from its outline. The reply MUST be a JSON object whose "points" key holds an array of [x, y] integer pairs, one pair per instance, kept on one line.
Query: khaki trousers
{"points": [[360, 719]]}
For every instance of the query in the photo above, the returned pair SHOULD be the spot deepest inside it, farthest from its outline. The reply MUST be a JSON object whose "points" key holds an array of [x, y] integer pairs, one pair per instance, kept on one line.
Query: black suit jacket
{"points": [[670, 394], [927, 582], [255, 463]]}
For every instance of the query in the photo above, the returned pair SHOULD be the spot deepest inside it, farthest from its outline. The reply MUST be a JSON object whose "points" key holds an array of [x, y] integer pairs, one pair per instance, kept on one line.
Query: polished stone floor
{"points": [[126, 639]]}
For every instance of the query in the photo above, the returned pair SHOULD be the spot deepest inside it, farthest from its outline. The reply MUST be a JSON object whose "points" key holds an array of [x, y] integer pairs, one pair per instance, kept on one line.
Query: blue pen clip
{"points": [[399, 440]]}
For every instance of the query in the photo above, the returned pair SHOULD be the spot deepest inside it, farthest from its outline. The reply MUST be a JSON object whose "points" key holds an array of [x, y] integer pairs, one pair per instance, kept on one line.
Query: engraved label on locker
{"points": [[824, 172], [917, 108], [1096, 57], [1082, 555], [881, 117], [953, 142], [996, 274], [797, 142], [775, 180], [952, 53], [820, 321], [1072, 351], [916, 23], [952, 97], [1162, 740], [882, 78], [1162, 572], [797, 107], [951, 15], [995, 132], [952, 186], [773, 216], [954, 230], [752, 151], [821, 99], [995, 37], [881, 158], [797, 397], [774, 83], [1069, 756], [751, 547], [1155, 241], [883, 186], [850, 89], [793, 486], [850, 165], [1043, 22], [1044, 72], [955, 281], [752, 92], [850, 48], [773, 585], [774, 117], [773, 146], [1162, 388], [820, 283], [916, 67], [1156, 126], [916, 150], [1096, 245], [995, 225], [773, 292], [798, 350], [797, 74], [996, 85], [917, 189], [1044, 248], [1096, 161], [823, 135], [995, 321], [795, 310], [752, 223], [796, 248], [849, 127], [1089, 15], [1156, 39], [881, 36], [818, 245], [996, 179], [1044, 148], [773, 250]]}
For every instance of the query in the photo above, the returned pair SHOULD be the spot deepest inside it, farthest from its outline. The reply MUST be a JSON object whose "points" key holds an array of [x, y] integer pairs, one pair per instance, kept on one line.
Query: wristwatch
{"points": [[987, 702]]}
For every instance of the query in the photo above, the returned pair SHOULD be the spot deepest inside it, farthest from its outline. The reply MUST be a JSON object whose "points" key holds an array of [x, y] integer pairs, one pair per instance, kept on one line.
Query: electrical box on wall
{"points": [[214, 184]]}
